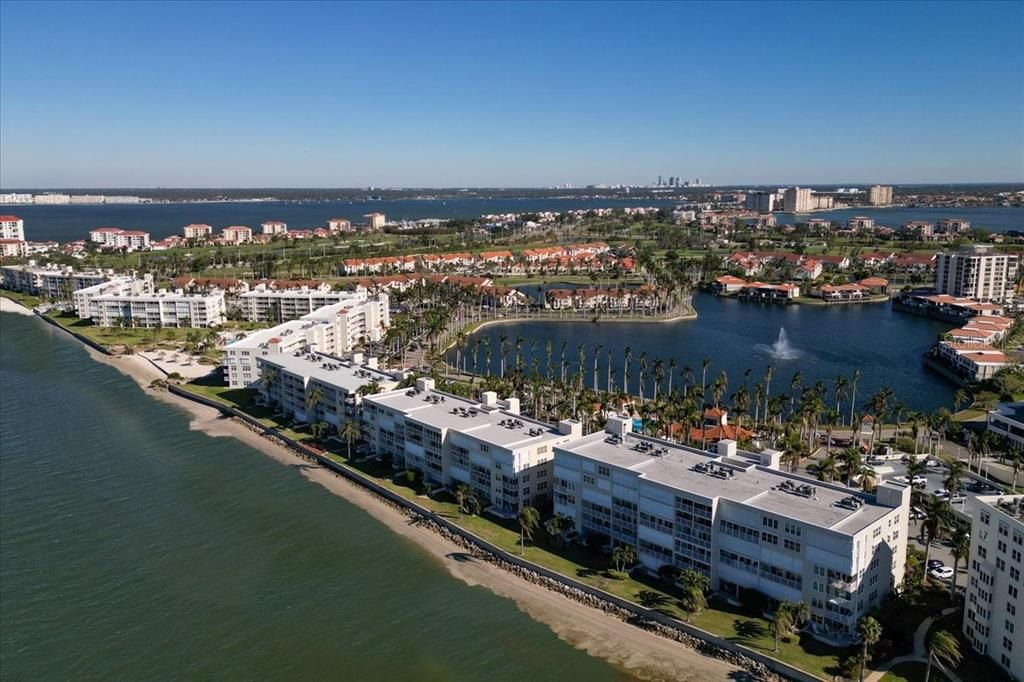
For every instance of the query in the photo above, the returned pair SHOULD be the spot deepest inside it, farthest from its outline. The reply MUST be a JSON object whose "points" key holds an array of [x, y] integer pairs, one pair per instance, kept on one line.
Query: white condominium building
{"points": [[879, 195], [13, 248], [161, 308], [314, 387], [115, 237], [1007, 420], [339, 225], [505, 458], [976, 272], [797, 200], [198, 231], [738, 520], [335, 329], [375, 221], [236, 234], [994, 609], [274, 227], [51, 281], [124, 284], [12, 227], [263, 304]]}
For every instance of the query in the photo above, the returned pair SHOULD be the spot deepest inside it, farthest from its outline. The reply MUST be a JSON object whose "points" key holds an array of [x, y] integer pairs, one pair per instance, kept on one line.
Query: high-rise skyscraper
{"points": [[879, 195]]}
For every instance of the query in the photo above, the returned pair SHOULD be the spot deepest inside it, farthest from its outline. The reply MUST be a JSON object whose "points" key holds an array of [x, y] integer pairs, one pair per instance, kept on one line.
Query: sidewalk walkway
{"points": [[920, 654]]}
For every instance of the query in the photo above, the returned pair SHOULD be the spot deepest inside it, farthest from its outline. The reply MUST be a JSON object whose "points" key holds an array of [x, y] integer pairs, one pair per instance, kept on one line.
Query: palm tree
{"points": [[945, 647], [853, 461], [828, 468], [853, 393], [954, 477], [705, 363], [623, 556], [462, 493], [782, 623], [350, 432], [694, 585], [840, 390], [960, 549], [529, 519], [557, 526], [959, 398], [870, 632], [936, 519], [313, 398]]}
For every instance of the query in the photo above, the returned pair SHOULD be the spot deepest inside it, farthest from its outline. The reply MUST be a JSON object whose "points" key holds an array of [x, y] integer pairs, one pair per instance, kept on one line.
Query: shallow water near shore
{"points": [[132, 547]]}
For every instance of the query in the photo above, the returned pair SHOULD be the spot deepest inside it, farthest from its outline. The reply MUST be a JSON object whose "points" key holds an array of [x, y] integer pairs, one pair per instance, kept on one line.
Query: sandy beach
{"points": [[9, 306], [635, 651]]}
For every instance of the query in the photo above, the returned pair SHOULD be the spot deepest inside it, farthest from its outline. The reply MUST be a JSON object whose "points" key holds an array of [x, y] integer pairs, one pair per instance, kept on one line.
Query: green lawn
{"points": [[574, 561], [24, 299], [911, 672], [118, 336]]}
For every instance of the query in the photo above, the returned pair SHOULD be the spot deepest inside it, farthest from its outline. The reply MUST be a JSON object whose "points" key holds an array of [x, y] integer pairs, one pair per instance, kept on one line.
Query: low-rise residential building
{"points": [[13, 248], [843, 293], [505, 458], [158, 309], [273, 227], [339, 225], [316, 387], [972, 361], [381, 265], [116, 238], [953, 226], [727, 284], [266, 304], [769, 293], [236, 234], [734, 517], [12, 227], [51, 281], [994, 610], [198, 231], [860, 223], [123, 284]]}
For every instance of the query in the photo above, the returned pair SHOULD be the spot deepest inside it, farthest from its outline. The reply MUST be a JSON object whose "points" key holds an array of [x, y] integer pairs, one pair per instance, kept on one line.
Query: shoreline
{"points": [[9, 305], [633, 650]]}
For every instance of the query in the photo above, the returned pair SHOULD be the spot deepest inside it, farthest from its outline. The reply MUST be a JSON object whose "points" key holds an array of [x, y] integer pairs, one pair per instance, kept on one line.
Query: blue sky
{"points": [[490, 94]]}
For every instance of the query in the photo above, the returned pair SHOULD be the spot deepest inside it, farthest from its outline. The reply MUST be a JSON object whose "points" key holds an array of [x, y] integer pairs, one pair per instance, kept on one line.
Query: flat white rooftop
{"points": [[285, 330], [329, 370], [491, 424], [740, 479]]}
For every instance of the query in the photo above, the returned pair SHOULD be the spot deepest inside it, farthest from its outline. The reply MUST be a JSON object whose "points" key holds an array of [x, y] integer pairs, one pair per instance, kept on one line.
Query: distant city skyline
{"points": [[446, 95]]}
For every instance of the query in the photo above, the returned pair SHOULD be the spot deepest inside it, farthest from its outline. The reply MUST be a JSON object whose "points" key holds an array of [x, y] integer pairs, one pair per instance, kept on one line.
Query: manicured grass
{"points": [[118, 336], [24, 299], [910, 672]]}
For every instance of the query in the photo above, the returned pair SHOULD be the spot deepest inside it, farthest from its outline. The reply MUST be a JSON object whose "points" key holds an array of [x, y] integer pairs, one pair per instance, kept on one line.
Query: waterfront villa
{"points": [[316, 387], [736, 518], [972, 361], [505, 458], [769, 293], [728, 284]]}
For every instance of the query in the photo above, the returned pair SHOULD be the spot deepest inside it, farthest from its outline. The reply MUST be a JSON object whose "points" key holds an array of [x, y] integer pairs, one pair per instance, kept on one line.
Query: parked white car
{"points": [[941, 573]]}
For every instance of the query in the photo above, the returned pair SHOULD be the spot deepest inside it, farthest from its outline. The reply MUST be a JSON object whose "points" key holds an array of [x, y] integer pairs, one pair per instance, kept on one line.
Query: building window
{"points": [[768, 522]]}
